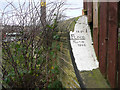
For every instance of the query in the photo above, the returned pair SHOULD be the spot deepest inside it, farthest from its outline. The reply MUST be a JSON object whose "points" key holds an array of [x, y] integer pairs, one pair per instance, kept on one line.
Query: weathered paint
{"points": [[95, 40], [119, 70], [85, 5], [95, 26], [83, 50], [112, 42], [89, 11], [103, 38]]}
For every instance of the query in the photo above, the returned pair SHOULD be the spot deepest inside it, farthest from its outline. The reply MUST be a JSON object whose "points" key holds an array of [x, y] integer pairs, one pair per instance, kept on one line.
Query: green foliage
{"points": [[72, 23], [55, 70], [58, 47], [85, 12], [55, 84], [56, 37], [28, 64], [50, 27]]}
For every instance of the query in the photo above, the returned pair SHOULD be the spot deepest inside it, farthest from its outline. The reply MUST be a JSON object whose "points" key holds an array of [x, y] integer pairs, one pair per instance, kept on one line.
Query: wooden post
{"points": [[95, 26], [43, 12], [119, 50], [112, 42], [89, 11], [84, 11], [103, 37], [119, 71], [85, 5]]}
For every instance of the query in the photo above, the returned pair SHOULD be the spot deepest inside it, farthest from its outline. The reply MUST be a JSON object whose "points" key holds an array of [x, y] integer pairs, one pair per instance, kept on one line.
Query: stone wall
{"points": [[69, 75]]}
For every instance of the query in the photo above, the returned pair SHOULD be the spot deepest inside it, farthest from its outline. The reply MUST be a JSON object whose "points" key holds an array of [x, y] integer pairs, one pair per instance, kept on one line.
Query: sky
{"points": [[74, 6], [78, 5]]}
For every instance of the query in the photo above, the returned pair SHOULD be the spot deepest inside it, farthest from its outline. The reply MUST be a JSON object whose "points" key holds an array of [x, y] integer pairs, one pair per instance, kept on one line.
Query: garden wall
{"points": [[69, 75]]}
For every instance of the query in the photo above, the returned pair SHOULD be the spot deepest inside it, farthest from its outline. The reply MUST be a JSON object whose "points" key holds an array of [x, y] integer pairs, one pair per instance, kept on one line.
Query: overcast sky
{"points": [[74, 6], [78, 5]]}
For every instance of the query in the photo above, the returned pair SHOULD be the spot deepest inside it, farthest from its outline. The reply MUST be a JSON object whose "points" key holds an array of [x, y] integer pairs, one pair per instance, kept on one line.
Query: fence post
{"points": [[89, 10], [119, 70], [85, 5], [95, 26], [119, 48], [103, 37], [112, 42]]}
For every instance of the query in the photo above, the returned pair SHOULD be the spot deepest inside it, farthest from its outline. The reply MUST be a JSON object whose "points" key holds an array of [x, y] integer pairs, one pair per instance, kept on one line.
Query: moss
{"points": [[71, 28], [68, 25], [66, 57], [94, 79], [67, 79]]}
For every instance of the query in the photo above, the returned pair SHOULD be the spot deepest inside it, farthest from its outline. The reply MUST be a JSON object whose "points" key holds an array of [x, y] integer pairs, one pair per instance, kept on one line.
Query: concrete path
{"points": [[82, 46]]}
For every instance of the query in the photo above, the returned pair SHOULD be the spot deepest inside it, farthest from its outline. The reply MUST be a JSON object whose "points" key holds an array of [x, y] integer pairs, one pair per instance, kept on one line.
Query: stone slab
{"points": [[82, 46]]}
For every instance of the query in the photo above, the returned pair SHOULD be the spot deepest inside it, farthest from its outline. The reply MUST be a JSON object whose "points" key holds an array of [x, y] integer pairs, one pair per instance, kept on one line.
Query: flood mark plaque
{"points": [[82, 46]]}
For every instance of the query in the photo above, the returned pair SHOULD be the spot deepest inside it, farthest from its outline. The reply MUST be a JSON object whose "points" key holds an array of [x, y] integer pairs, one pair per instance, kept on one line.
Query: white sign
{"points": [[82, 46]]}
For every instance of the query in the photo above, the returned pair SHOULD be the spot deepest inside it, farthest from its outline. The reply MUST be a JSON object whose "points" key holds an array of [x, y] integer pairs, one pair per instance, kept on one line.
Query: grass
{"points": [[68, 25]]}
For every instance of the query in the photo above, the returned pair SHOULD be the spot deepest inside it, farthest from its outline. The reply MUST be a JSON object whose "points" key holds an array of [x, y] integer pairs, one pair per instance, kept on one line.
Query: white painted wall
{"points": [[82, 47]]}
